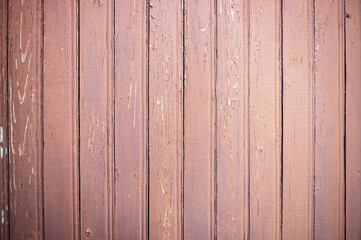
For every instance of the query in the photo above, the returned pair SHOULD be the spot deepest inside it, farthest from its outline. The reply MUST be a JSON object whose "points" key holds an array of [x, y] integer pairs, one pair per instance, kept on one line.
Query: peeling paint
{"points": [[130, 94], [135, 105], [22, 97], [205, 27], [21, 147]]}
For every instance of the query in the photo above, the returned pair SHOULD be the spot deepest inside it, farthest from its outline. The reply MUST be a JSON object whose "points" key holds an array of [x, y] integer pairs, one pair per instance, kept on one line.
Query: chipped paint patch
{"points": [[1, 135], [2, 217], [205, 27], [130, 94], [21, 147], [1, 152], [232, 13]]}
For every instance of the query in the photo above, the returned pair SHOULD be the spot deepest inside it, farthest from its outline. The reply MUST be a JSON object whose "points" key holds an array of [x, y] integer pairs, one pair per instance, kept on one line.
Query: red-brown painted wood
{"points": [[329, 119], [61, 206], [256, 138], [130, 213], [96, 119], [4, 113], [265, 119], [353, 119], [232, 119], [25, 137], [298, 119], [165, 119], [199, 119]]}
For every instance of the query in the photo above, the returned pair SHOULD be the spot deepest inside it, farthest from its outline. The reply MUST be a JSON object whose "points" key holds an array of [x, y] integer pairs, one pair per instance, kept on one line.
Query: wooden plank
{"points": [[329, 119], [4, 179], [131, 120], [60, 120], [298, 126], [199, 119], [353, 119], [96, 119], [232, 119], [25, 97], [265, 119], [165, 119]]}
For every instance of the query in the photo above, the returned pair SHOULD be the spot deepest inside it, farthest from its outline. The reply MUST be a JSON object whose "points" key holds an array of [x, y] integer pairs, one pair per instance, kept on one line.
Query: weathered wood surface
{"points": [[232, 84], [165, 119], [265, 119], [4, 112], [25, 80], [228, 119], [96, 119], [60, 89], [329, 119], [199, 119], [130, 180], [353, 119], [298, 119]]}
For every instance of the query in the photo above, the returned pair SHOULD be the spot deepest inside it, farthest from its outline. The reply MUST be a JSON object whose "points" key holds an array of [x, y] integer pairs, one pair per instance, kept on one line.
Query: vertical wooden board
{"points": [[60, 120], [232, 119], [329, 119], [298, 119], [96, 119], [199, 119], [265, 119], [25, 96], [165, 119], [130, 120], [4, 179], [353, 119]]}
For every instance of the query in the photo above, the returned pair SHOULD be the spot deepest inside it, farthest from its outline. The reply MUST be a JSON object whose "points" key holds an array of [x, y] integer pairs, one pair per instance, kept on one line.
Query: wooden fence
{"points": [[180, 119]]}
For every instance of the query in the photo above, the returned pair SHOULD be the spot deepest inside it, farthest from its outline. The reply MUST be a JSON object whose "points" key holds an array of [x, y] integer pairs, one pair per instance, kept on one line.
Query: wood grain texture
{"points": [[298, 125], [131, 120], [60, 120], [165, 119], [232, 86], [4, 111], [25, 96], [265, 119], [96, 119], [353, 119], [199, 119], [329, 119]]}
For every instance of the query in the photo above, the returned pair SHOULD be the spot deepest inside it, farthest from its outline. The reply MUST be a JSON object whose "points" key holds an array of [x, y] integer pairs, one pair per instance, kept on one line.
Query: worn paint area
{"points": [[186, 119]]}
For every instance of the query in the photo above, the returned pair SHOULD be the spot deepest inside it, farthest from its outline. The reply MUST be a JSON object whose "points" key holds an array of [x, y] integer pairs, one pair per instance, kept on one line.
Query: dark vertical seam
{"points": [[183, 110], [282, 116], [42, 208], [215, 119], [113, 117], [147, 121], [344, 114], [110, 165], [7, 120], [78, 66], [248, 115], [314, 121], [75, 160], [311, 52]]}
